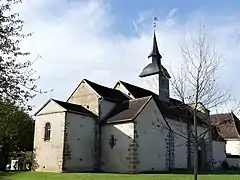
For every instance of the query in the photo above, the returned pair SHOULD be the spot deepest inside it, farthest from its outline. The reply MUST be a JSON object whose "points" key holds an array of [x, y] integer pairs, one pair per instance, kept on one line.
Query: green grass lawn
{"points": [[94, 176]]}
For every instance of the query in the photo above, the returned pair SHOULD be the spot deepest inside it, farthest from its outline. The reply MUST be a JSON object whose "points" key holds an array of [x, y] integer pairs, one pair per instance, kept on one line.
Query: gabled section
{"points": [[107, 93], [132, 90], [85, 96], [55, 106], [75, 108], [89, 93], [50, 107], [127, 111], [82, 85]]}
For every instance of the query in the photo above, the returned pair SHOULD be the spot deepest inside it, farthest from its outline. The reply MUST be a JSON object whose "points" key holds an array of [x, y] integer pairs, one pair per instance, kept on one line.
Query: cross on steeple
{"points": [[155, 19]]}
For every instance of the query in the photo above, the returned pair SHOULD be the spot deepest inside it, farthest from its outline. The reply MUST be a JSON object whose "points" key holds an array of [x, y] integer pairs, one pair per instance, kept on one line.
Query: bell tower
{"points": [[156, 68]]}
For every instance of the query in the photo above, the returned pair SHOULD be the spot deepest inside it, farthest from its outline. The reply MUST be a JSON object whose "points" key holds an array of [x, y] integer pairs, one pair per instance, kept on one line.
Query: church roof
{"points": [[227, 125], [73, 107], [174, 109], [128, 110], [106, 92], [136, 91]]}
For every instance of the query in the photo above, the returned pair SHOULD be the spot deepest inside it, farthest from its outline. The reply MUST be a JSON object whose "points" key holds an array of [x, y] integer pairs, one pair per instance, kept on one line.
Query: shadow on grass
{"points": [[187, 171], [7, 174]]}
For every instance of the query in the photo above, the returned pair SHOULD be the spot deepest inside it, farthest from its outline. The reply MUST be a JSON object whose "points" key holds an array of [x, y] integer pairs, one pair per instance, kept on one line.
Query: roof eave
{"points": [[81, 113]]}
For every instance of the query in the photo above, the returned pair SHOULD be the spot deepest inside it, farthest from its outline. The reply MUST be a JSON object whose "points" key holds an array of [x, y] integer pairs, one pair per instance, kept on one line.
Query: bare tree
{"points": [[195, 85]]}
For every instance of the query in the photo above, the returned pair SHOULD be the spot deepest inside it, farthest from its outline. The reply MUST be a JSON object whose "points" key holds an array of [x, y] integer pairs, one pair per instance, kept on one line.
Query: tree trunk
{"points": [[195, 148]]}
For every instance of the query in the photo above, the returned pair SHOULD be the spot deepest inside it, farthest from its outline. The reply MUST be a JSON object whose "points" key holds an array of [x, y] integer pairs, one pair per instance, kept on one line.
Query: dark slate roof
{"points": [[74, 107], [227, 125], [155, 51], [164, 72], [136, 91], [108, 93], [127, 111], [172, 109]]}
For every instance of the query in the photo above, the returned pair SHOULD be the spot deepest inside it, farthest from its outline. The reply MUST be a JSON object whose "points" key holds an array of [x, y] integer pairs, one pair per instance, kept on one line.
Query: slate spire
{"points": [[155, 66], [155, 51]]}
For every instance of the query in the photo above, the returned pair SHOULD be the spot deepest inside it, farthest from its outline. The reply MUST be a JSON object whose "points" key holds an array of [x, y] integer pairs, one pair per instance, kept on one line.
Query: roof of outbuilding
{"points": [[227, 125], [215, 134], [74, 107], [106, 92]]}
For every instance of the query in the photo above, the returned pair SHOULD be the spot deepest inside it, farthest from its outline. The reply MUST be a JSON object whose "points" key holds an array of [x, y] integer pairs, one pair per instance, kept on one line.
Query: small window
{"points": [[47, 133]]}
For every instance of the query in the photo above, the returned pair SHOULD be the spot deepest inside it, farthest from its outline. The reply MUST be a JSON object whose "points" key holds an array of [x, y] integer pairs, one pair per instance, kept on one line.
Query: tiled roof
{"points": [[227, 125], [74, 107], [127, 111], [108, 93], [215, 134]]}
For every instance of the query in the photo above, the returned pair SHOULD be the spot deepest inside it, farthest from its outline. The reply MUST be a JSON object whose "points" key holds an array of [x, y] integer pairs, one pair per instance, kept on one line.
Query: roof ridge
{"points": [[67, 102], [107, 92], [79, 106], [146, 97], [99, 84], [134, 85]]}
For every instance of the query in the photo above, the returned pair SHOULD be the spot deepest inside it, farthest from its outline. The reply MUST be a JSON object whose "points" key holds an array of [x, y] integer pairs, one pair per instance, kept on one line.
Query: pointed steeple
{"points": [[156, 68], [155, 51]]}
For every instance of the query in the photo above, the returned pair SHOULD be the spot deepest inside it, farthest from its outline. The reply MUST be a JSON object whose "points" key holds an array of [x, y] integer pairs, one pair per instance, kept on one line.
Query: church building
{"points": [[124, 129]]}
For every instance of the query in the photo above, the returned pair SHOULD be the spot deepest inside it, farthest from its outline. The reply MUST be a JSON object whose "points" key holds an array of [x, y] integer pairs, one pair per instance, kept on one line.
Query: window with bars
{"points": [[47, 133]]}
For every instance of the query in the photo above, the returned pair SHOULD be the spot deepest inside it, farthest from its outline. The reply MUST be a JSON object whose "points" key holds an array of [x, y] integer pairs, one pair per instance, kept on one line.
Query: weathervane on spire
{"points": [[155, 19]]}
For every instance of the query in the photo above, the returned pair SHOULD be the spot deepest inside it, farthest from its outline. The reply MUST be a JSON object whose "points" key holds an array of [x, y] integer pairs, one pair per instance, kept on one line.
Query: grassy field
{"points": [[89, 176]]}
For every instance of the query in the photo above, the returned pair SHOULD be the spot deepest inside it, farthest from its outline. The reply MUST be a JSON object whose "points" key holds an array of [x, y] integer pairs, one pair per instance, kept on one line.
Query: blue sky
{"points": [[109, 40], [124, 11]]}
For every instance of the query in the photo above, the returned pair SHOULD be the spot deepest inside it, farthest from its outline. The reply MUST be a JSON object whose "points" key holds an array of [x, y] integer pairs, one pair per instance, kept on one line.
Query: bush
{"points": [[28, 159], [225, 165]]}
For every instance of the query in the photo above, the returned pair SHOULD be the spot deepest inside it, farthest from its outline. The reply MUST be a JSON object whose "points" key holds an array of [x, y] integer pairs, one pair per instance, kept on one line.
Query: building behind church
{"points": [[124, 129]]}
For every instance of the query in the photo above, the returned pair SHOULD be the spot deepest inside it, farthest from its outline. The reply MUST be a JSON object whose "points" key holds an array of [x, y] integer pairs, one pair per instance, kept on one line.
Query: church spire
{"points": [[155, 52], [156, 68]]}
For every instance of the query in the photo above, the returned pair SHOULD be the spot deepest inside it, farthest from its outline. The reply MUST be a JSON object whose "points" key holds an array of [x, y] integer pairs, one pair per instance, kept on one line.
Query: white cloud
{"points": [[76, 42], [170, 17]]}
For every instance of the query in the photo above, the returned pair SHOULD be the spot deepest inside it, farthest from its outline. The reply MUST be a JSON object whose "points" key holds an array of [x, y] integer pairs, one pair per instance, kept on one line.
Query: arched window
{"points": [[47, 133]]}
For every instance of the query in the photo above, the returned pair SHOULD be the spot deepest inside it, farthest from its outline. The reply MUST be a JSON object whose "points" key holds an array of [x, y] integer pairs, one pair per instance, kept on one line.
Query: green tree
{"points": [[16, 129], [17, 81]]}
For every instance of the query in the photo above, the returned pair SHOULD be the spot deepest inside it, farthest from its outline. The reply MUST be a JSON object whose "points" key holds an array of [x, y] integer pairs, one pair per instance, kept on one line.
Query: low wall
{"points": [[233, 161]]}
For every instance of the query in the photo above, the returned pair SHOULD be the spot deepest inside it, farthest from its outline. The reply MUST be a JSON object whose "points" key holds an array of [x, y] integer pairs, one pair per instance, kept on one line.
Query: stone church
{"points": [[124, 129]]}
